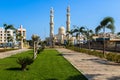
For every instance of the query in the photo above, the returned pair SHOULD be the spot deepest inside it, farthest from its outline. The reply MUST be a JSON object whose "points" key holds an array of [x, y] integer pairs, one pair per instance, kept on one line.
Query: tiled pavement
{"points": [[92, 67]]}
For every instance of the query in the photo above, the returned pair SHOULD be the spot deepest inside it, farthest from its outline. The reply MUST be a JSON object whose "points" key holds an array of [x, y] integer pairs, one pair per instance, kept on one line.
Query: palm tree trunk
{"points": [[34, 55], [115, 46], [88, 44], [104, 41], [79, 41], [21, 46]]}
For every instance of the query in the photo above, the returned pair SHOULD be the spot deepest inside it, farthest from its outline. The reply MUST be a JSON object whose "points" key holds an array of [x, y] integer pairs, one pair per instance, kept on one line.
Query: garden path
{"points": [[92, 67], [9, 53]]}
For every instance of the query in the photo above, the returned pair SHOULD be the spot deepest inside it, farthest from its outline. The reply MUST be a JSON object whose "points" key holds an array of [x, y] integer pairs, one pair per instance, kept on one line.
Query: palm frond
{"points": [[111, 27], [75, 30], [97, 29], [91, 31], [77, 35], [118, 33], [107, 20]]}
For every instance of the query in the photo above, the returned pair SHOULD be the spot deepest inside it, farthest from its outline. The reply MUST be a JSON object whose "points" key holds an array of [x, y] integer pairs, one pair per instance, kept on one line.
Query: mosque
{"points": [[61, 37]]}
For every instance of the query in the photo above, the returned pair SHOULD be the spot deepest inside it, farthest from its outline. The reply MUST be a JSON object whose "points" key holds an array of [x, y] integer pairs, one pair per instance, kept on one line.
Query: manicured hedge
{"points": [[109, 56]]}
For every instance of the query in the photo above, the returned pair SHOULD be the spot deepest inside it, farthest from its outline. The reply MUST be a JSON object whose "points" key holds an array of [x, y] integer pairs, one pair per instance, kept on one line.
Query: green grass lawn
{"points": [[49, 65]]}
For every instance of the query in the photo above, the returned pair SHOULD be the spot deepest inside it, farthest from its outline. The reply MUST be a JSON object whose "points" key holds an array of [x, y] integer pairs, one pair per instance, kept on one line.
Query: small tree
{"points": [[79, 31], [88, 33], [10, 39], [19, 38], [6, 28], [24, 62], [70, 33], [35, 39]]}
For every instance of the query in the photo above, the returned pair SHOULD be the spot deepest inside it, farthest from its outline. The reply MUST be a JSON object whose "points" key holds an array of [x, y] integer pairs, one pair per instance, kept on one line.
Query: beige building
{"points": [[5, 35], [22, 31]]}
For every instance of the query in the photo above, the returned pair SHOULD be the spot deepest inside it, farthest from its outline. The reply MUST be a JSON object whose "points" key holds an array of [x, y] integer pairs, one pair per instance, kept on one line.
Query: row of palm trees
{"points": [[107, 22], [18, 36], [79, 31]]}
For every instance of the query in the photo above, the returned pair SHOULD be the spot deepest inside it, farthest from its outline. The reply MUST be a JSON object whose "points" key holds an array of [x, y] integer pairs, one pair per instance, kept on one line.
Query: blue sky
{"points": [[34, 14]]}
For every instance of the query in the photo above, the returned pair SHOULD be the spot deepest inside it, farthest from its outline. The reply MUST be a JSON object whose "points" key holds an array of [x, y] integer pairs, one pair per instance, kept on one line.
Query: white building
{"points": [[5, 35]]}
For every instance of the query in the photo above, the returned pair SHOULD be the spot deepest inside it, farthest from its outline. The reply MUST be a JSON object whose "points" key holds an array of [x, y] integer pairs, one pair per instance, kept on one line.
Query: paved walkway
{"points": [[92, 67], [9, 53]]}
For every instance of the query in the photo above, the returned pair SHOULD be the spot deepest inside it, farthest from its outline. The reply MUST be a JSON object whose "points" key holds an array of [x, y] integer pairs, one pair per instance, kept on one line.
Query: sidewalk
{"points": [[92, 67], [9, 53]]}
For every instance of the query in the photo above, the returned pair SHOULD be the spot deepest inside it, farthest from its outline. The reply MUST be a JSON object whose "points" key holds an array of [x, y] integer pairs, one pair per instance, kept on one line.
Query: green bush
{"points": [[117, 58], [24, 61], [109, 56]]}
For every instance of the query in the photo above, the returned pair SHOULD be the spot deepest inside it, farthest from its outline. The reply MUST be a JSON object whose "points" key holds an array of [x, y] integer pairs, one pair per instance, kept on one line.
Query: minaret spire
{"points": [[51, 26], [68, 19]]}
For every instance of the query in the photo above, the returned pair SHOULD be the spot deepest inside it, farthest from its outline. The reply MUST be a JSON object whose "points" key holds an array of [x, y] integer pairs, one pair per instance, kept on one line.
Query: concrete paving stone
{"points": [[92, 67]]}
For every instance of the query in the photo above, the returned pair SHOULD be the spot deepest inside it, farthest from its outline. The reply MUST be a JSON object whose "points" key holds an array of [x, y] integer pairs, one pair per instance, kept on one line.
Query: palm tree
{"points": [[35, 39], [118, 33], [88, 33], [70, 33], [6, 27], [79, 31], [107, 22], [19, 38], [10, 39]]}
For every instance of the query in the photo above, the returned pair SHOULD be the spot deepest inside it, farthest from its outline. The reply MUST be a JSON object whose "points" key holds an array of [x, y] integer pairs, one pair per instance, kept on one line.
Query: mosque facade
{"points": [[61, 37]]}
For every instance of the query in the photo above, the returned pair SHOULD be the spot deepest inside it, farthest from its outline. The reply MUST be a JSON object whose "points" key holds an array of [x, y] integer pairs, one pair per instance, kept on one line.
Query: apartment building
{"points": [[5, 36], [22, 31]]}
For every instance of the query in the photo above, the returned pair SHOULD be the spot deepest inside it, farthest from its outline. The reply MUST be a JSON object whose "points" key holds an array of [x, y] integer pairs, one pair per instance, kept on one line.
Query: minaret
{"points": [[68, 19], [51, 26]]}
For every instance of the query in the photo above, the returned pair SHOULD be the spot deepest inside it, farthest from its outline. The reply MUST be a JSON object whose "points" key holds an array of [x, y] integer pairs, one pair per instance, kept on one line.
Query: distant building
{"points": [[109, 36], [22, 31], [4, 36], [61, 37]]}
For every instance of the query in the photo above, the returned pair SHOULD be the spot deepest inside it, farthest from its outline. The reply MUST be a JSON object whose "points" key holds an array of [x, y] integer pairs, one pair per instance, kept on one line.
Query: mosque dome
{"points": [[61, 30]]}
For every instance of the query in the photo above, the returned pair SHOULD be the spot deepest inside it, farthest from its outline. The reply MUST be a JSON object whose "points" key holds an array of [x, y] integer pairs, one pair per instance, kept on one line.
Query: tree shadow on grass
{"points": [[14, 69], [77, 77], [65, 54]]}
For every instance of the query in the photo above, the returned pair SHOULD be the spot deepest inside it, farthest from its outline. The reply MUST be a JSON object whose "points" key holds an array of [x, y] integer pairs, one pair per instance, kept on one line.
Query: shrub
{"points": [[109, 56], [24, 62], [117, 58]]}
